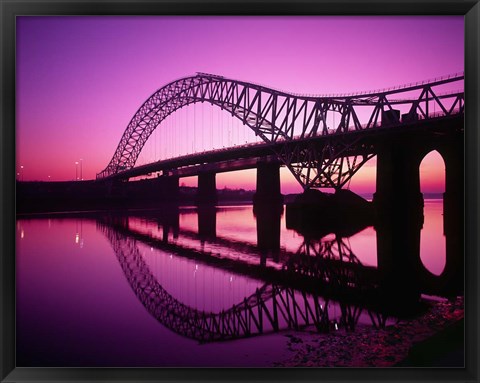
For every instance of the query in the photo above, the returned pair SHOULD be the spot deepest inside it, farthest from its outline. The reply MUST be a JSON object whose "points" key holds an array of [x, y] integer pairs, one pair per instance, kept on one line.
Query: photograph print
{"points": [[239, 191]]}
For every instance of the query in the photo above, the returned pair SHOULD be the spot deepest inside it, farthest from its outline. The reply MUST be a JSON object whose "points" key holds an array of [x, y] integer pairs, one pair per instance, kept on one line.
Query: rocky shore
{"points": [[389, 347]]}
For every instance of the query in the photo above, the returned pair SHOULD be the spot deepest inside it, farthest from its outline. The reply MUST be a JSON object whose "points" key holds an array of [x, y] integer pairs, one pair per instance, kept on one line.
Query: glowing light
{"points": [[77, 238], [336, 326], [22, 234]]}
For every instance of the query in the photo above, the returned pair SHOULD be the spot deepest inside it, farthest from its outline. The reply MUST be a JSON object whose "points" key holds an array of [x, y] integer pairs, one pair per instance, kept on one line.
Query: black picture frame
{"points": [[9, 9]]}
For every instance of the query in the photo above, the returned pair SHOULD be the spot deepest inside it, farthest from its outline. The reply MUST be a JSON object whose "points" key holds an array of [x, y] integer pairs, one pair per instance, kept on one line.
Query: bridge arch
{"points": [[432, 238], [268, 309], [280, 117], [183, 92], [450, 149], [433, 158]]}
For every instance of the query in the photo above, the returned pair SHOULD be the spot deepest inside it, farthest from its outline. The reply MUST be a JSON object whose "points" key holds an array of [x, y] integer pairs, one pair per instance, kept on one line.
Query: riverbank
{"points": [[74, 196], [397, 345]]}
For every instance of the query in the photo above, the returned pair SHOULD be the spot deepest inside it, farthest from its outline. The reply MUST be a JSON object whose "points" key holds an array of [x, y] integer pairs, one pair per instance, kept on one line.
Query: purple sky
{"points": [[81, 79]]}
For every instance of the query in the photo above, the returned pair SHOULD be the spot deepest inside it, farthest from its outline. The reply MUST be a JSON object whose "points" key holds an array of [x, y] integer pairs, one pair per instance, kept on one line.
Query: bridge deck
{"points": [[362, 142]]}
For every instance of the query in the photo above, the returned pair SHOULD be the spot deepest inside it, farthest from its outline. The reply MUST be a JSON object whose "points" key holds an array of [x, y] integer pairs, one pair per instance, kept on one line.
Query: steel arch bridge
{"points": [[252, 316], [277, 116], [271, 308]]}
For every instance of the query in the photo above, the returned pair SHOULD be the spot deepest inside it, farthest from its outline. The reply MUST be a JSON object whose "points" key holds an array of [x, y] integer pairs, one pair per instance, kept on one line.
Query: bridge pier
{"points": [[399, 219], [398, 196], [399, 206], [268, 221], [268, 209], [398, 259], [207, 221], [453, 215], [169, 221], [268, 183], [206, 189]]}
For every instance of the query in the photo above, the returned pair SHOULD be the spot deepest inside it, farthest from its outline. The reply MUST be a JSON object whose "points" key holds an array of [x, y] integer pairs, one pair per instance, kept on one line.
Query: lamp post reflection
{"points": [[79, 234]]}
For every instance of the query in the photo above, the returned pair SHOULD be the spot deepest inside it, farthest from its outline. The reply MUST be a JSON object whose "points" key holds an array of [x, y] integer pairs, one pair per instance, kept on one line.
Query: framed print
{"points": [[238, 191]]}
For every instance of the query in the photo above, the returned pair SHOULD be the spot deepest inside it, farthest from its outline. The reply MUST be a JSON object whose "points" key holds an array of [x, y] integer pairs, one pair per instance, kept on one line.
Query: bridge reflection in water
{"points": [[296, 289]]}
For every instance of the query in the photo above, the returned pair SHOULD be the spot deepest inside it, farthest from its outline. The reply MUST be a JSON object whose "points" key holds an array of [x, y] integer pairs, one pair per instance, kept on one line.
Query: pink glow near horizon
{"points": [[81, 79]]}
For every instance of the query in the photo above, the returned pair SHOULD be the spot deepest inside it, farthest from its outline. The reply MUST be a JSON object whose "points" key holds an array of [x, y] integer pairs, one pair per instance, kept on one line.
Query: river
{"points": [[130, 289]]}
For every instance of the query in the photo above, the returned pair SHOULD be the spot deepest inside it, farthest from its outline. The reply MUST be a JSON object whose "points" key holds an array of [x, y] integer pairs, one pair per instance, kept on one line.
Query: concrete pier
{"points": [[268, 219], [268, 183], [207, 221], [398, 203], [207, 190]]}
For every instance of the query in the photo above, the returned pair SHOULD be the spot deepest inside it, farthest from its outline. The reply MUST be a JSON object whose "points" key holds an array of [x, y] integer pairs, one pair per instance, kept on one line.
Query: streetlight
{"points": [[76, 170], [81, 172], [21, 171]]}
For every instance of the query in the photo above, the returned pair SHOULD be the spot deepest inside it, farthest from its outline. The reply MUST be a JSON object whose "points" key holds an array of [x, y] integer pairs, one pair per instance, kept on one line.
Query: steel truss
{"points": [[270, 308], [314, 259], [278, 116]]}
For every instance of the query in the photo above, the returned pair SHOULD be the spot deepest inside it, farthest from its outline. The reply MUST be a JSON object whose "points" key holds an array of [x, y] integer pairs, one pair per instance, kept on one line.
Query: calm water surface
{"points": [[85, 285]]}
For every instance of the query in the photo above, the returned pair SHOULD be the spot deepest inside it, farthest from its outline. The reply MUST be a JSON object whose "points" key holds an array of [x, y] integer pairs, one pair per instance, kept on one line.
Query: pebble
{"points": [[367, 346]]}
